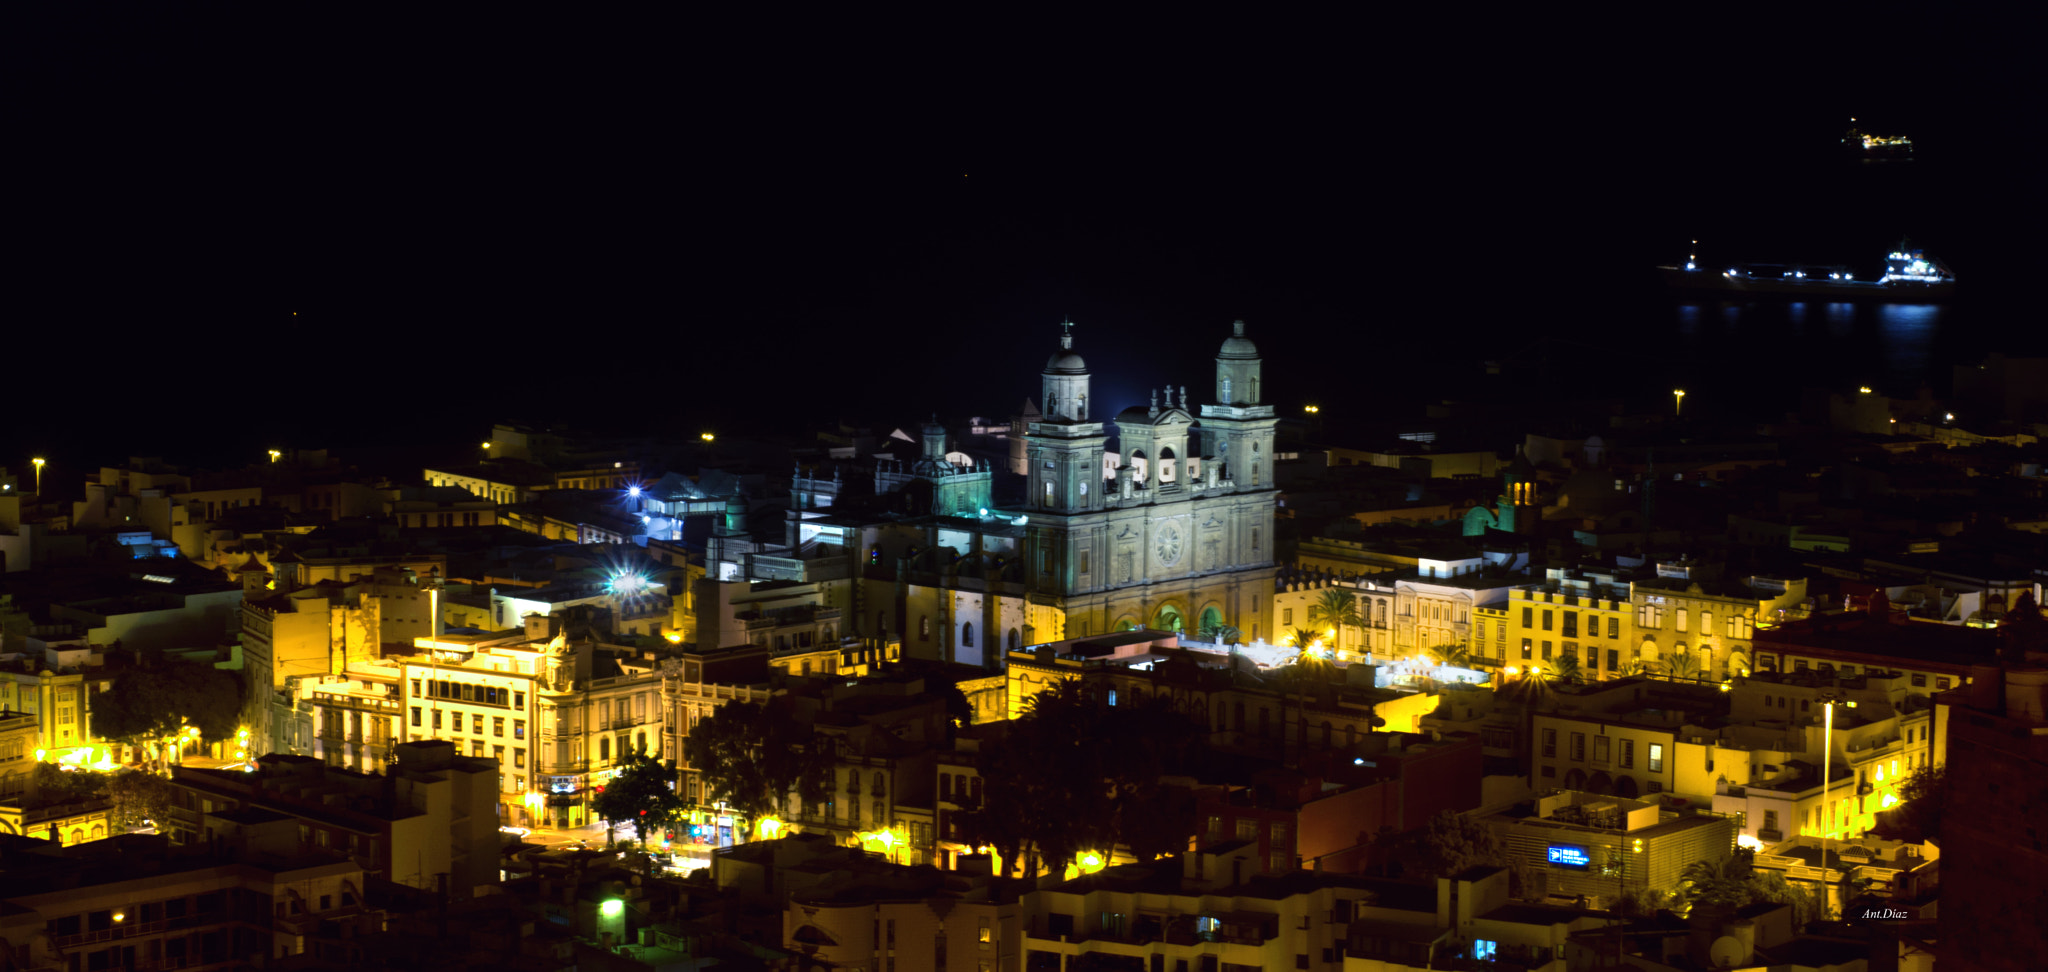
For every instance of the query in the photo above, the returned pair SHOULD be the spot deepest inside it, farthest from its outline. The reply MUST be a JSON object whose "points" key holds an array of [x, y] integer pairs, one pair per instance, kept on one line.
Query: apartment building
{"points": [[1933, 658], [1692, 625], [1207, 911], [260, 897], [1601, 846], [430, 817]]}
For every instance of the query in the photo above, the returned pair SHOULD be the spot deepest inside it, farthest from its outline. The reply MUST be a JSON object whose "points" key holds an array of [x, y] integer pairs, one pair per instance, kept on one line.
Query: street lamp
{"points": [[274, 454], [39, 477], [1678, 400], [1828, 701], [1312, 409]]}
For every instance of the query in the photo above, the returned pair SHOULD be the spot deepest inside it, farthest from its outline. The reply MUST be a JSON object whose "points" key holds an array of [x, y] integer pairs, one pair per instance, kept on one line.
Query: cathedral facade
{"points": [[1173, 530]]}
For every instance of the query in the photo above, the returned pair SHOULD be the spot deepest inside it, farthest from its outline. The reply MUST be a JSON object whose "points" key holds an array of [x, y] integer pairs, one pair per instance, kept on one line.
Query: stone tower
{"points": [[1064, 447], [1238, 429]]}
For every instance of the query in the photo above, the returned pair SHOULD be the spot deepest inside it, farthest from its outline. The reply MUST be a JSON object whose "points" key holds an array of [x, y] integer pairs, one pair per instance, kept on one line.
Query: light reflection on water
{"points": [[1858, 342], [1908, 334]]}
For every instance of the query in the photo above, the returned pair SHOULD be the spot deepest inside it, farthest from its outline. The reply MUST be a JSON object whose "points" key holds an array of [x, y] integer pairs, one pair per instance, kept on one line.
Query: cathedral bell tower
{"points": [[1238, 429], [1063, 448]]}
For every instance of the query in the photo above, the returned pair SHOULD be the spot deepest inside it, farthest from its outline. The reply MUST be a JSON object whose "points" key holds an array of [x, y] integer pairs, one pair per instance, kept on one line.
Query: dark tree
{"points": [[155, 702], [55, 784], [642, 794], [1451, 843], [753, 756], [1924, 796], [1056, 791], [139, 799]]}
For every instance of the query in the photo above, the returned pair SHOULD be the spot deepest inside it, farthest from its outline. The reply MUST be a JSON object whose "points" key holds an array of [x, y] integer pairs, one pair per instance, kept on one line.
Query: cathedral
{"points": [[1174, 530]]}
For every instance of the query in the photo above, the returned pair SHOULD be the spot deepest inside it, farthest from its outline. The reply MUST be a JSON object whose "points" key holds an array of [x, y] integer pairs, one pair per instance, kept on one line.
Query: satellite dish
{"points": [[1728, 951]]}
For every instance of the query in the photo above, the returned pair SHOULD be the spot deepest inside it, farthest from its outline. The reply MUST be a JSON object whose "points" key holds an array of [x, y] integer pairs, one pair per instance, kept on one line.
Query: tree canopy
{"points": [[157, 701], [753, 756], [642, 794], [1055, 790]]}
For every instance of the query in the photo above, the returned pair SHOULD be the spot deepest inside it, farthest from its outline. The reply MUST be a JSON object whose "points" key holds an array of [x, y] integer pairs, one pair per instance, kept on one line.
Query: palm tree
{"points": [[1568, 668], [1336, 610], [1682, 665], [1219, 633], [1454, 656]]}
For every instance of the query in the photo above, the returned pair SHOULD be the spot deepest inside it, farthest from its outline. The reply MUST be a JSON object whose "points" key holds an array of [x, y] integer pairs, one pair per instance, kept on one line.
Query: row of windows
{"points": [[469, 692], [1601, 750], [476, 723], [1769, 663]]}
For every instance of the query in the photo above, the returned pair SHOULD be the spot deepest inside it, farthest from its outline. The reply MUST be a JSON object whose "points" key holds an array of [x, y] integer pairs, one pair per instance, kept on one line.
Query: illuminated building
{"points": [[26, 811], [1212, 910], [1931, 657], [1603, 846], [1578, 613], [1764, 768], [1994, 886], [256, 898], [1180, 536], [430, 814], [52, 685], [430, 507], [558, 714], [1518, 508], [1288, 819], [854, 910], [1683, 611], [694, 683], [294, 630]]}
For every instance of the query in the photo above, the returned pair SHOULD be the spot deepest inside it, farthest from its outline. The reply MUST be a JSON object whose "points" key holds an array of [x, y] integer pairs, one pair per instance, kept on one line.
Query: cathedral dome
{"points": [[1065, 362], [1237, 345]]}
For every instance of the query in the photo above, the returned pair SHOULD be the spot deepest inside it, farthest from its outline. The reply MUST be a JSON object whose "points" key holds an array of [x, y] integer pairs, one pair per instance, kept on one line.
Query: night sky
{"points": [[667, 224]]}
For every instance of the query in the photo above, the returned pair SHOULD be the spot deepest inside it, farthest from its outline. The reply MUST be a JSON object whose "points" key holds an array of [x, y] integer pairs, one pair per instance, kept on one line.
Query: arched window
{"points": [[1015, 641], [967, 635]]}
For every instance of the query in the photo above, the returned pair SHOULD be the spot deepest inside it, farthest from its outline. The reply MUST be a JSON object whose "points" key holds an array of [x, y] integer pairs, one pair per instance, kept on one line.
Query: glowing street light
{"points": [[1864, 390], [1828, 701], [486, 445], [1678, 401], [707, 437], [1312, 409], [274, 454], [39, 477]]}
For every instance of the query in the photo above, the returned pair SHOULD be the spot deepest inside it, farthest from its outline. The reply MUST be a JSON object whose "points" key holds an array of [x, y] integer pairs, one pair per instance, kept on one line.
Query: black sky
{"points": [[696, 218]]}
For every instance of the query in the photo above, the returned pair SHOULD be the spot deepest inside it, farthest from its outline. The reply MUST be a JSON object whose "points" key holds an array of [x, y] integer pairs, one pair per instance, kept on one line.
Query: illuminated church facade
{"points": [[1174, 530]]}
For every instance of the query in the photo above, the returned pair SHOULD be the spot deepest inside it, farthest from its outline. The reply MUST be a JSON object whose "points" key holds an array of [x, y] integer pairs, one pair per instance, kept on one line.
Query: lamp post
{"points": [[39, 477], [1828, 701], [1678, 401]]}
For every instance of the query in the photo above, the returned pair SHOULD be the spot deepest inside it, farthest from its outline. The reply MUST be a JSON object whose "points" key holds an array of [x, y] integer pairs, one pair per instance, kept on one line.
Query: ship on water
{"points": [[1910, 276], [1877, 148]]}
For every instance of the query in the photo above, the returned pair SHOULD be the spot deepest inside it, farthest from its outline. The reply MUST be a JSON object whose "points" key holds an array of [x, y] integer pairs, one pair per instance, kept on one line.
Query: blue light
{"points": [[1566, 855], [632, 490]]}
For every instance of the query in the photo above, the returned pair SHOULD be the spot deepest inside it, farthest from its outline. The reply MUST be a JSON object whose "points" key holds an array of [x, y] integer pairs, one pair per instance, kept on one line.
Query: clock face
{"points": [[1169, 545]]}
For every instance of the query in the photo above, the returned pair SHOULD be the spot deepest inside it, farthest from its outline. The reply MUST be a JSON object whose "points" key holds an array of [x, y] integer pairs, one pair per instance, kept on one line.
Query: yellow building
{"points": [[1693, 627], [1590, 623]]}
